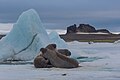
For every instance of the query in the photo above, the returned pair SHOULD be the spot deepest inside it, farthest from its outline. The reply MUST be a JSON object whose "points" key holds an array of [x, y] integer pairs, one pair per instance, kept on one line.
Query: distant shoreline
{"points": [[88, 33], [110, 38]]}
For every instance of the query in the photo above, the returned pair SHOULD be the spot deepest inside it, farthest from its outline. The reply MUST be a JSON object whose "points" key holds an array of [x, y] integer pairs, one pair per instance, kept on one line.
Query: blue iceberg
{"points": [[25, 39], [55, 38]]}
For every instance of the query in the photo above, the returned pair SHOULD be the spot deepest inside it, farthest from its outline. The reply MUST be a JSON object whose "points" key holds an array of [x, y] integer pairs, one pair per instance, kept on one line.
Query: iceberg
{"points": [[25, 39], [55, 38]]}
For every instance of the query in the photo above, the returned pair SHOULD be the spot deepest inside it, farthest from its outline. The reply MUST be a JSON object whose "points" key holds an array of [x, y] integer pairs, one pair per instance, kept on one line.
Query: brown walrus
{"points": [[41, 62], [65, 52], [57, 59]]}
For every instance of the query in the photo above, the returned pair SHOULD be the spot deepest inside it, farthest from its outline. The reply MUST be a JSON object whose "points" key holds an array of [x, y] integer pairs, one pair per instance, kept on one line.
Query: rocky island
{"points": [[88, 33]]}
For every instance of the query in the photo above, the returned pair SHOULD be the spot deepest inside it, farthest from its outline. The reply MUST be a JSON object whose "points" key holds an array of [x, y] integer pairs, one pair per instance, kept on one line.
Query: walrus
{"points": [[65, 52], [57, 59], [41, 62]]}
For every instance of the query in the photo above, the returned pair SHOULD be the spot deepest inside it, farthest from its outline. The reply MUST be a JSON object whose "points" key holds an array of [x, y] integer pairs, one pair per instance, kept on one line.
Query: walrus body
{"points": [[57, 59], [41, 62], [65, 52]]}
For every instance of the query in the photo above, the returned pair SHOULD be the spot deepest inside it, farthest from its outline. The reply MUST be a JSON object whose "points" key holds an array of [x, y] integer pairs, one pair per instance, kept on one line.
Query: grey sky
{"points": [[61, 13]]}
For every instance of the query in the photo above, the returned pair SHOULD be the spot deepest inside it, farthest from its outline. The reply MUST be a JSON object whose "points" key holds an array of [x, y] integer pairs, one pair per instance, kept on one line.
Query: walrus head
{"points": [[47, 53], [43, 50], [51, 46]]}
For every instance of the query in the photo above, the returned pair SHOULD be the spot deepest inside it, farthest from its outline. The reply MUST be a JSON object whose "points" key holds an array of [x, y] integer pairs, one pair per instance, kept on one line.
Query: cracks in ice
{"points": [[29, 44]]}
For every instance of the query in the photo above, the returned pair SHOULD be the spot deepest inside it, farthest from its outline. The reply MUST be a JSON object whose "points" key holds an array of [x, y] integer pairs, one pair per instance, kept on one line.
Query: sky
{"points": [[59, 14]]}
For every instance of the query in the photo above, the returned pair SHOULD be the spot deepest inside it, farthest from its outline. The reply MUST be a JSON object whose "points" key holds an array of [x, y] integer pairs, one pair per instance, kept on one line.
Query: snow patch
{"points": [[118, 41]]}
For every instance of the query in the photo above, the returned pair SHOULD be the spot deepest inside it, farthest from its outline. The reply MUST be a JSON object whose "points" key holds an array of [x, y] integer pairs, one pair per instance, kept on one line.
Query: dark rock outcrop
{"points": [[72, 29], [86, 28], [103, 30]]}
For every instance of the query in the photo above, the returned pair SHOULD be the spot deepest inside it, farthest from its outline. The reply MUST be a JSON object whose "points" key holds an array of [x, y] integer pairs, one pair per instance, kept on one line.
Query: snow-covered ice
{"points": [[118, 41], [102, 63]]}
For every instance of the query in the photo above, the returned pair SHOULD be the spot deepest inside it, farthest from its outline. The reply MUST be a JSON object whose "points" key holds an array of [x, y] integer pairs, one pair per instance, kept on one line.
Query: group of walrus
{"points": [[50, 56]]}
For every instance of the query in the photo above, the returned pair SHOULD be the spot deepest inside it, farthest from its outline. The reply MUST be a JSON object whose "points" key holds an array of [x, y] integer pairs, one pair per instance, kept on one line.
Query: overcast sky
{"points": [[62, 13]]}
